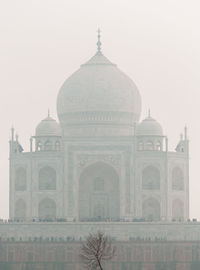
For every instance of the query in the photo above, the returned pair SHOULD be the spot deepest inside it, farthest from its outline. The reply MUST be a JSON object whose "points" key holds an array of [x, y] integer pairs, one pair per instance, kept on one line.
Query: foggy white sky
{"points": [[157, 43]]}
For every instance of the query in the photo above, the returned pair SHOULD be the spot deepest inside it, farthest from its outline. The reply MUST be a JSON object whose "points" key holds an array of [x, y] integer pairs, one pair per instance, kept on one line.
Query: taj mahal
{"points": [[100, 168], [100, 162]]}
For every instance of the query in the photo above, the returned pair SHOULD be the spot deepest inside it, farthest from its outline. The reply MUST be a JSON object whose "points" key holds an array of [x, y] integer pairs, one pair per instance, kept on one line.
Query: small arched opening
{"points": [[48, 146], [39, 146], [47, 209], [20, 179], [151, 178], [149, 146], [151, 209], [20, 210], [158, 146], [178, 210], [177, 179], [140, 146], [47, 178], [57, 146]]}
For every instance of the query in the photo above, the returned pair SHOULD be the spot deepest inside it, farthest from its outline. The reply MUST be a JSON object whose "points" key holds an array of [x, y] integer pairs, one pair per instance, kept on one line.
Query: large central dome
{"points": [[99, 91]]}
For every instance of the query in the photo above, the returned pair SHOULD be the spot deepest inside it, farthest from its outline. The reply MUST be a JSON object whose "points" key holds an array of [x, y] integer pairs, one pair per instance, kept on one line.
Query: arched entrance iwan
{"points": [[99, 193]]}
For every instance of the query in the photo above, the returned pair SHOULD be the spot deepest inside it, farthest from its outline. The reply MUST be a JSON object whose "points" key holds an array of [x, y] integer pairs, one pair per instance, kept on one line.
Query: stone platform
{"points": [[120, 231]]}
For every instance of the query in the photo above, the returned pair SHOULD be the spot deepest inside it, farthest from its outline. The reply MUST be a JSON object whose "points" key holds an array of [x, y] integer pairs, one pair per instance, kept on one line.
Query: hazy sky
{"points": [[156, 42]]}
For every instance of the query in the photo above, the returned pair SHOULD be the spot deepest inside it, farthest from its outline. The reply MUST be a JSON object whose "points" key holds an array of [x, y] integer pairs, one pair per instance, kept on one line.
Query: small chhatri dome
{"points": [[149, 127], [99, 87], [48, 127]]}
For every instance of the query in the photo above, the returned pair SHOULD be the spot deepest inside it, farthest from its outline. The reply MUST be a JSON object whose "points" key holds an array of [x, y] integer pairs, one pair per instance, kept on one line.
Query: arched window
{"points": [[20, 179], [20, 210], [48, 146], [177, 179], [140, 146], [177, 210], [39, 146], [98, 184], [47, 178], [47, 209], [151, 178], [149, 145], [151, 209], [57, 146], [158, 146]]}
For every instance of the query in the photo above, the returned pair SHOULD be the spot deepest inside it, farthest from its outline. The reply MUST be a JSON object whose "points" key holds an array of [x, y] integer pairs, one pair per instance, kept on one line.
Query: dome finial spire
{"points": [[99, 41]]}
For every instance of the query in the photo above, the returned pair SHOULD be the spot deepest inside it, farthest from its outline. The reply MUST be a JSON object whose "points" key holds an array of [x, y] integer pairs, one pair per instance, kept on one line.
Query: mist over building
{"points": [[100, 162], [99, 168]]}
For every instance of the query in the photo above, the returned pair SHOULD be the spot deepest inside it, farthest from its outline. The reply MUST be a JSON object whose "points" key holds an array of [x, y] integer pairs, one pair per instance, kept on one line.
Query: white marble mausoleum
{"points": [[100, 162]]}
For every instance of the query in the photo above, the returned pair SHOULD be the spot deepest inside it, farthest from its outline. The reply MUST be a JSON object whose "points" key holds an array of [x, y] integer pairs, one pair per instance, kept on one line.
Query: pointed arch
{"points": [[57, 146], [158, 146], [20, 210], [48, 145], [47, 178], [149, 145], [151, 178], [99, 192], [177, 210], [177, 179], [47, 209], [39, 146], [20, 179], [140, 145], [151, 209]]}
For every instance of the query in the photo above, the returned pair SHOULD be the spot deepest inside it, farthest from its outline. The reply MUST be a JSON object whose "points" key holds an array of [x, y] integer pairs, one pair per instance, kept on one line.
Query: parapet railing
{"points": [[60, 220]]}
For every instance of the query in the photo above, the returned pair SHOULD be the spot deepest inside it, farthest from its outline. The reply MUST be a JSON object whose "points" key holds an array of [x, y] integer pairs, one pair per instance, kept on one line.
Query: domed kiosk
{"points": [[149, 127], [48, 127], [48, 135], [149, 134]]}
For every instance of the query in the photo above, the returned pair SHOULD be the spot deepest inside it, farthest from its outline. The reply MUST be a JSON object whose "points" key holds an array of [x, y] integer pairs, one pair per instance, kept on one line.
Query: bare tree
{"points": [[98, 248]]}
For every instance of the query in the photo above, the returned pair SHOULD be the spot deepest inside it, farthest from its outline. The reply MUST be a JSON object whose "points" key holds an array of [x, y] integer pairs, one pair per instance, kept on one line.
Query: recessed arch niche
{"points": [[99, 193], [151, 178], [47, 178], [47, 209], [177, 210], [151, 209], [20, 210], [177, 179], [20, 179]]}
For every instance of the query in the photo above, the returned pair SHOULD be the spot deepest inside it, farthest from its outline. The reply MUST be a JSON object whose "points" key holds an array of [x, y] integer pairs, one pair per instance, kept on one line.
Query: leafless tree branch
{"points": [[95, 250]]}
